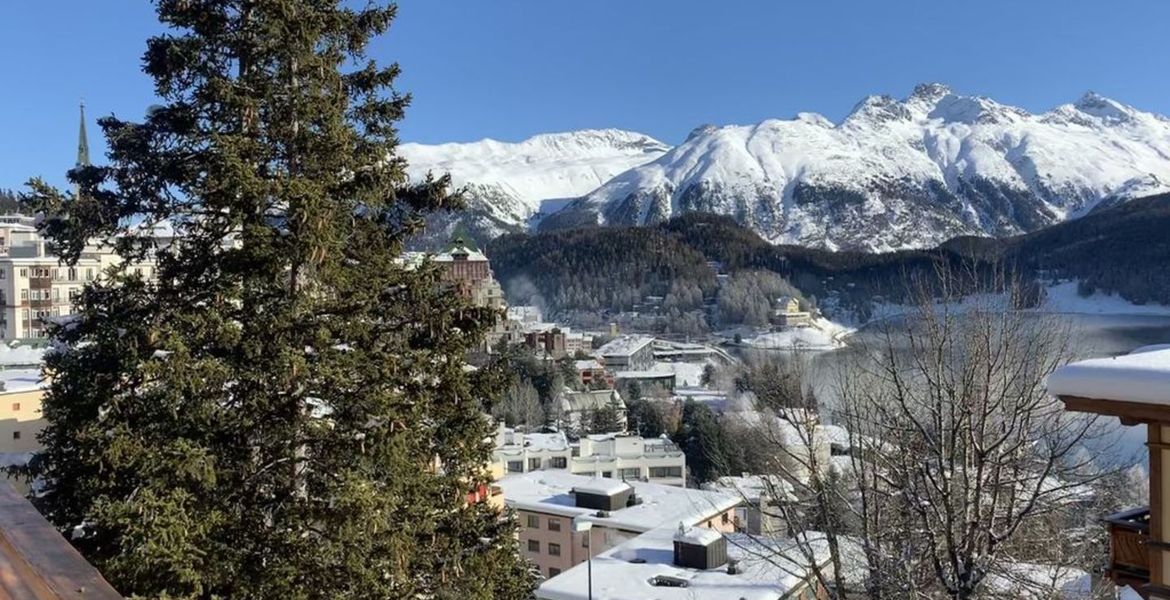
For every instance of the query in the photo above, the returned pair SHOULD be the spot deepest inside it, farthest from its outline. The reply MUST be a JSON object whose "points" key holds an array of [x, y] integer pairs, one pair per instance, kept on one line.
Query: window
{"points": [[658, 472], [3, 274], [24, 272], [24, 294], [726, 518], [16, 435], [558, 462], [74, 293], [554, 524], [553, 572], [15, 406], [534, 464], [89, 274], [515, 466], [533, 522], [533, 546], [56, 293], [607, 473], [72, 274], [554, 549], [632, 473]]}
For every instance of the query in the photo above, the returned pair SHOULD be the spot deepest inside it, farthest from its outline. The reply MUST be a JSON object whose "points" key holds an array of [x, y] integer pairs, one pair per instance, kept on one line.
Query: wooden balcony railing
{"points": [[1129, 534]]}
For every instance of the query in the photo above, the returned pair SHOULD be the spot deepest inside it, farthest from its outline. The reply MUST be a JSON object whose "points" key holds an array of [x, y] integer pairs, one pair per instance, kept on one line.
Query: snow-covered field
{"points": [[1063, 298], [822, 335], [685, 374]]}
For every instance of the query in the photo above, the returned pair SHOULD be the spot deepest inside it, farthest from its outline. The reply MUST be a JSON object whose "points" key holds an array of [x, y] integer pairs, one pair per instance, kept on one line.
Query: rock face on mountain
{"points": [[510, 185], [894, 173]]}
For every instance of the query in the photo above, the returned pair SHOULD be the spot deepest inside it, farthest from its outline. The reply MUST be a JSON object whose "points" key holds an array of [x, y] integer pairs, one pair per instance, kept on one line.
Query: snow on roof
{"points": [[594, 399], [550, 492], [602, 486], [22, 380], [1140, 376], [586, 365], [460, 250], [751, 487], [699, 536], [643, 375], [554, 441], [625, 345], [11, 355], [768, 569]]}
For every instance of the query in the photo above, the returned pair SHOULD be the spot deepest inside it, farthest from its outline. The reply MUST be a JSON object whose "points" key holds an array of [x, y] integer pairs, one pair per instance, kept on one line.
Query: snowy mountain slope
{"points": [[897, 173], [508, 184]]}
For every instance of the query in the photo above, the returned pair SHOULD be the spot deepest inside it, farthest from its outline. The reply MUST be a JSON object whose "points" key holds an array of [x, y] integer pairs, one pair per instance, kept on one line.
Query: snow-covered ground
{"points": [[1063, 298], [822, 335], [686, 374]]}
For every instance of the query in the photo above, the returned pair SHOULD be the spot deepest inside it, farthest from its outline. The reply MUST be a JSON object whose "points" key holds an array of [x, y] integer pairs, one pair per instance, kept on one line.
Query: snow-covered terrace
{"points": [[1135, 386]]}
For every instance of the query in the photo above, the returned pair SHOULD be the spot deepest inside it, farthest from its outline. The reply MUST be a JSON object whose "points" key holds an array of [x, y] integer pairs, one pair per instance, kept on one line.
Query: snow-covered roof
{"points": [[643, 375], [751, 487], [700, 536], [586, 365], [461, 250], [514, 441], [22, 380], [550, 492], [625, 345], [768, 569], [1141, 376], [602, 486]]}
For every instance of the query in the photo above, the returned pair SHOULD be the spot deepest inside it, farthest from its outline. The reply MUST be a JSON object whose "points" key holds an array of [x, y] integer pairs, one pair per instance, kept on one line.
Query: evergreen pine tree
{"points": [[284, 414]]}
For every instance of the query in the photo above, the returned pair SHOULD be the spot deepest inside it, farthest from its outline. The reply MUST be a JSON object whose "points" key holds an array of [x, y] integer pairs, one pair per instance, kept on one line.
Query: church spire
{"points": [[82, 141]]}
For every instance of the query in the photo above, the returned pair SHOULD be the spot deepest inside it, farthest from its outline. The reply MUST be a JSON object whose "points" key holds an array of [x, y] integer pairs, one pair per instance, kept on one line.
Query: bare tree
{"points": [[960, 465], [520, 406]]}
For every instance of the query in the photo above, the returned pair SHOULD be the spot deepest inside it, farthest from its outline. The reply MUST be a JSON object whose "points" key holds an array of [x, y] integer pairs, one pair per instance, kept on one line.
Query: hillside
{"points": [[1121, 250]]}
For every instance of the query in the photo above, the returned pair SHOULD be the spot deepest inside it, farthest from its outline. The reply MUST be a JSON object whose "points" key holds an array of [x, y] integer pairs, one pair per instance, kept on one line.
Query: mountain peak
{"points": [[930, 92], [879, 109], [1099, 106]]}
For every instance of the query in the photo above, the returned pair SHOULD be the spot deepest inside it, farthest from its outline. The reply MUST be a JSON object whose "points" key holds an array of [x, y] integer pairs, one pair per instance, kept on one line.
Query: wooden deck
{"points": [[36, 563]]}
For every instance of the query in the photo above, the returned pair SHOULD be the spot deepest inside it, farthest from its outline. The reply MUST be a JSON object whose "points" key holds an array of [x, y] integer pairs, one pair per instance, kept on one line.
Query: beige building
{"points": [[788, 314], [20, 414], [547, 503]]}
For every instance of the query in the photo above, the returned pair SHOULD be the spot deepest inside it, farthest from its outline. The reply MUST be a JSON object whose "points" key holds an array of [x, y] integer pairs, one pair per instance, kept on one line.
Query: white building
{"points": [[576, 407], [627, 353], [612, 455], [35, 284]]}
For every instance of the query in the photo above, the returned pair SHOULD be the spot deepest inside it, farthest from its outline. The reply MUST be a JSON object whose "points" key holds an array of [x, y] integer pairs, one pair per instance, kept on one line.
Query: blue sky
{"points": [[510, 68]]}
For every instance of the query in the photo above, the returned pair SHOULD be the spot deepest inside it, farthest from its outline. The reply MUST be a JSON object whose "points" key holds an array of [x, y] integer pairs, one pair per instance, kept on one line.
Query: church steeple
{"points": [[82, 141]]}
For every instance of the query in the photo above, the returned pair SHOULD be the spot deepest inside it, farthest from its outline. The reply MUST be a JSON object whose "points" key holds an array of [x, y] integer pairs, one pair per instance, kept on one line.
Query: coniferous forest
{"points": [[1119, 250]]}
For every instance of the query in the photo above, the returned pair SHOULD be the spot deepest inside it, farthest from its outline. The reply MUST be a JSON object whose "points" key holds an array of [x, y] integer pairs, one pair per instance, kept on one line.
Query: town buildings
{"points": [[576, 408], [548, 502], [628, 353], [21, 390], [787, 313], [614, 455], [1135, 388]]}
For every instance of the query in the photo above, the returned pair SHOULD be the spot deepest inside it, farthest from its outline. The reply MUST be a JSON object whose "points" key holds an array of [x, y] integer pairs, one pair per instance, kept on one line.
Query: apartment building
{"points": [[612, 455], [548, 502], [627, 353]]}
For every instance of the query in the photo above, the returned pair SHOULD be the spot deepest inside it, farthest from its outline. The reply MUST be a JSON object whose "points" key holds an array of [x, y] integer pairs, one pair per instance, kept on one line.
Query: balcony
{"points": [[1129, 562]]}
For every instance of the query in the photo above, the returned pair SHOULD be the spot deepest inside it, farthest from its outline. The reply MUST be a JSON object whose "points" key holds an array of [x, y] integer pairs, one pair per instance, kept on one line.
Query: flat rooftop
{"points": [[549, 492], [769, 569], [625, 345]]}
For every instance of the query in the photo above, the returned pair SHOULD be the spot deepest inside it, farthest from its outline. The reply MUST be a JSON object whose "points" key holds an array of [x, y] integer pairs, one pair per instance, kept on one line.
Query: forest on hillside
{"points": [[689, 261]]}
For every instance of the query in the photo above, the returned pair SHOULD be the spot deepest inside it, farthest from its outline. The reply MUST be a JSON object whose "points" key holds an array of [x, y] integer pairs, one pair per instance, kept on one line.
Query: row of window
{"points": [[534, 523], [554, 549], [560, 462], [46, 273]]}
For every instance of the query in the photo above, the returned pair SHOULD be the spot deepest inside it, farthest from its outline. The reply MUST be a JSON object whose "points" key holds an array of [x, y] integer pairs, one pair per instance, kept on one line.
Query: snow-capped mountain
{"points": [[897, 173], [508, 185]]}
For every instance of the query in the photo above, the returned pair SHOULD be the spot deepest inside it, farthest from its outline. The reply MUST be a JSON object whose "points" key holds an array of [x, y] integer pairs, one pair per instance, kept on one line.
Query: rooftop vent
{"points": [[633, 500], [733, 567], [603, 494], [668, 581], [638, 561]]}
